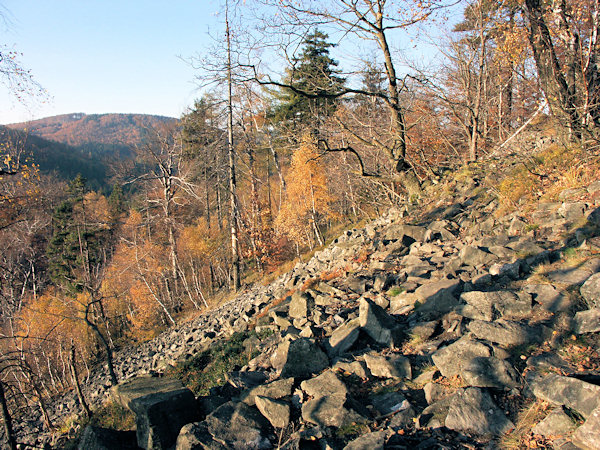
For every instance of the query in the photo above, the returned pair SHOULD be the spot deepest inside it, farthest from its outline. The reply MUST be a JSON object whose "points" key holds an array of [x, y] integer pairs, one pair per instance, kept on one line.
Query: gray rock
{"points": [[394, 366], [587, 321], [557, 423], [326, 407], [276, 389], [376, 322], [195, 436], [399, 231], [357, 368], [238, 426], [452, 359], [435, 414], [403, 303], [488, 305], [438, 297], [298, 358], [323, 385], [434, 392], [489, 372], [474, 256], [473, 411], [571, 193], [588, 435], [503, 332], [277, 412], [591, 291], [301, 305], [389, 403], [572, 211], [325, 411], [161, 406], [548, 297], [141, 386], [547, 361], [343, 337], [573, 276], [370, 441], [576, 394], [96, 438]]}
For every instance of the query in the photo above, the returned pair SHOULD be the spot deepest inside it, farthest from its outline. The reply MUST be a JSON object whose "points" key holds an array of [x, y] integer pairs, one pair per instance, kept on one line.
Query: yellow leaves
{"points": [[307, 196], [196, 240]]}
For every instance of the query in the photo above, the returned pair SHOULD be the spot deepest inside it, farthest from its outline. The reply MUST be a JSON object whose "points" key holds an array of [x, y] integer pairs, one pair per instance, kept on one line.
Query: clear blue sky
{"points": [[102, 56], [124, 56]]}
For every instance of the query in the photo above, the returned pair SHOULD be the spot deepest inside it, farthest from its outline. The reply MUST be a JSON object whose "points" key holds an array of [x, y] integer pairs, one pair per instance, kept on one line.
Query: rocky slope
{"points": [[449, 324]]}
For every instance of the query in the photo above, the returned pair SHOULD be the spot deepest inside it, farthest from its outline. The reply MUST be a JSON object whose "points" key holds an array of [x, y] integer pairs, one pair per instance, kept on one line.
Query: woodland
{"points": [[264, 168]]}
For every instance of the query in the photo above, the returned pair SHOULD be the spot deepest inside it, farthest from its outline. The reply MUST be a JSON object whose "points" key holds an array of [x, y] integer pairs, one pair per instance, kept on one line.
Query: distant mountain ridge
{"points": [[108, 129], [88, 144]]}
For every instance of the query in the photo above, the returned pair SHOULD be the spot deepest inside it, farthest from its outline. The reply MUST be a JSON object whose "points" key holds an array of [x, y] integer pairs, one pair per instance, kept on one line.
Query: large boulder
{"points": [[392, 366], [162, 407], [576, 394], [474, 256], [343, 337], [327, 398], [590, 291], [275, 411], [301, 305], [298, 358], [452, 359], [489, 372], [587, 321], [472, 410], [237, 425], [505, 332], [588, 435], [376, 322], [371, 441], [489, 305], [96, 438], [437, 297], [276, 389]]}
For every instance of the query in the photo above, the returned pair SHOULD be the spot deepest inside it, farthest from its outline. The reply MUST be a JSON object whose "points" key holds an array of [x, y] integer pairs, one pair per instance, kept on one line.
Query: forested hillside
{"points": [[268, 167], [95, 134]]}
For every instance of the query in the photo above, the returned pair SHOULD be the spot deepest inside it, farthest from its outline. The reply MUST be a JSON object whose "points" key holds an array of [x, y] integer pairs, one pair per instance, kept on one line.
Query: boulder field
{"points": [[439, 326]]}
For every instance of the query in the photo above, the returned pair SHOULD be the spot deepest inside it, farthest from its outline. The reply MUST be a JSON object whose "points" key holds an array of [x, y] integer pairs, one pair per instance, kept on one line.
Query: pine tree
{"points": [[315, 73], [75, 245]]}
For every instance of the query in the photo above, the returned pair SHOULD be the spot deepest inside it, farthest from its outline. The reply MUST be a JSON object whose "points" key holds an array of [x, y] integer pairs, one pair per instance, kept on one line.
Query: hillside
{"points": [[467, 321], [78, 129], [60, 160], [69, 144]]}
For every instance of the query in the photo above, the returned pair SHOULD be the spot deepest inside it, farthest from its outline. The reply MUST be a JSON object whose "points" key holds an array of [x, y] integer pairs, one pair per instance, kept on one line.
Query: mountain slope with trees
{"points": [[489, 159]]}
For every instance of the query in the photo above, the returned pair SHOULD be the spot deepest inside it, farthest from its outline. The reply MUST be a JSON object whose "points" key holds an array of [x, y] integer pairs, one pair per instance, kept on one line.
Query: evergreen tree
{"points": [[313, 78], [75, 246]]}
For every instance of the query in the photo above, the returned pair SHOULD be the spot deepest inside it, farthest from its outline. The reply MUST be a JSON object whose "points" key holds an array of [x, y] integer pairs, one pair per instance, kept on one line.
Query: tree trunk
{"points": [[75, 375], [109, 356], [235, 257], [560, 96], [7, 420]]}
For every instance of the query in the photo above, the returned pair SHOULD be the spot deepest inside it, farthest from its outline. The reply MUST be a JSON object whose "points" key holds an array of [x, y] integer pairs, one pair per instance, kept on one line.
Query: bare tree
{"points": [[371, 21]]}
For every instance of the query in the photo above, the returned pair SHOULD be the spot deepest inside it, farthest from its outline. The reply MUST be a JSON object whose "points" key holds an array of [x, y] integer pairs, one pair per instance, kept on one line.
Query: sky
{"points": [[122, 56], [107, 56]]}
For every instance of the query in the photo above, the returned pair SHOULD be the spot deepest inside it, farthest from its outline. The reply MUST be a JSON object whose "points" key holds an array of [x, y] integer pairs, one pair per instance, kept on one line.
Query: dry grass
{"points": [[521, 436]]}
